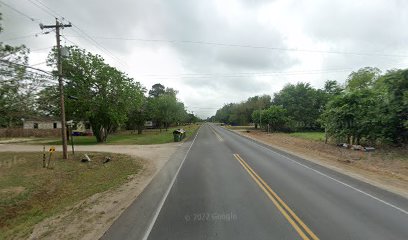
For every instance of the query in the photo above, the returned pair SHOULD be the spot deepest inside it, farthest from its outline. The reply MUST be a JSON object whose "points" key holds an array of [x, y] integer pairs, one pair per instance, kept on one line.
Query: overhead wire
{"points": [[244, 75], [40, 49], [42, 8], [251, 46], [39, 4], [47, 76], [19, 12], [22, 37], [27, 66], [78, 30]]}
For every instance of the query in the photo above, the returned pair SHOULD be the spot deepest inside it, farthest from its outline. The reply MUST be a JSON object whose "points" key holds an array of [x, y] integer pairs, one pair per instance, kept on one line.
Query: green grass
{"points": [[240, 127], [317, 136], [151, 136], [30, 193]]}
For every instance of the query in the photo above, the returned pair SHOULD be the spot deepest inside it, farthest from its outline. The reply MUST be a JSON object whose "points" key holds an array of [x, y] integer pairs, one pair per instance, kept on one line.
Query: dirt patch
{"points": [[11, 191], [387, 169], [90, 218]]}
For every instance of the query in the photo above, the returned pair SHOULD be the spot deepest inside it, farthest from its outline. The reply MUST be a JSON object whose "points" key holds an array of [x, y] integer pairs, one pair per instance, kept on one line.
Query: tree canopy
{"points": [[104, 95], [370, 108]]}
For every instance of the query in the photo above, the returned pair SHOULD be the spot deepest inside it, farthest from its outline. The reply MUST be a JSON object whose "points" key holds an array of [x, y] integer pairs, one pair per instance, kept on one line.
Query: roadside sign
{"points": [[52, 149]]}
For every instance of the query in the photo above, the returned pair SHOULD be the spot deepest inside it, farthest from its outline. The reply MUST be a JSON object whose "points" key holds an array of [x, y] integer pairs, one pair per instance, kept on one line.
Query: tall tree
{"points": [[105, 96], [163, 106], [18, 86], [362, 78], [157, 90], [275, 117], [303, 104]]}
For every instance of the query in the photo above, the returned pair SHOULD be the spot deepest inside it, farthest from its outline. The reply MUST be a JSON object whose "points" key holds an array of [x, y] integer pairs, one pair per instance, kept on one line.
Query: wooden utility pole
{"points": [[57, 27]]}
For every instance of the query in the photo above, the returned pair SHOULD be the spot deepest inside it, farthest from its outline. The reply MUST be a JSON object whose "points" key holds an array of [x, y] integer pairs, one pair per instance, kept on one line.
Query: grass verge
{"points": [[317, 136], [150, 136], [239, 127], [30, 193]]}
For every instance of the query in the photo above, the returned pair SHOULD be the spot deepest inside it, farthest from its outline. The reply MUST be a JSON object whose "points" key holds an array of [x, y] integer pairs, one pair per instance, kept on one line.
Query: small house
{"points": [[41, 123]]}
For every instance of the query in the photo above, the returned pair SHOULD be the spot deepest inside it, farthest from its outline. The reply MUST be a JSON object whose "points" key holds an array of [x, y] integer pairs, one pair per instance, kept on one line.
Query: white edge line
{"points": [[334, 179], [156, 214]]}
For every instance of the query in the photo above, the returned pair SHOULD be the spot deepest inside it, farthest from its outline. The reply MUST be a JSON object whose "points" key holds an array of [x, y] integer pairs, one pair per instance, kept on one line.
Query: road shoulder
{"points": [[395, 183], [90, 218], [138, 217]]}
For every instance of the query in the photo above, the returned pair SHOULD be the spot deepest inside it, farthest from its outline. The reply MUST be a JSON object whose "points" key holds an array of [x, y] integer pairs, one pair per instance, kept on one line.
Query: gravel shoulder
{"points": [[90, 218], [388, 171]]}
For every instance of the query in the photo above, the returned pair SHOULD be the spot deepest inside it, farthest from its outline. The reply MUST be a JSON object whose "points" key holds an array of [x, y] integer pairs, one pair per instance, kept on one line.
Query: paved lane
{"points": [[230, 187], [214, 198]]}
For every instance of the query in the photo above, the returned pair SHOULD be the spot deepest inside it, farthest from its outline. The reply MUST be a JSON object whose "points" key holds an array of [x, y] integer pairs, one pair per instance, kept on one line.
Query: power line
{"points": [[46, 77], [36, 64], [245, 73], [113, 57], [27, 66], [39, 49], [24, 36], [249, 75], [19, 12], [97, 44], [250, 46], [78, 30], [42, 8], [64, 37]]}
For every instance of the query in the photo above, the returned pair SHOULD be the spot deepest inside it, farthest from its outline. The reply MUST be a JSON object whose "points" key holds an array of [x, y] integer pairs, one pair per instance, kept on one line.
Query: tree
{"points": [[256, 116], [303, 104], [47, 102], [105, 95], [157, 90], [363, 78], [241, 113], [164, 108], [275, 117], [352, 116], [332, 88], [392, 91], [138, 116], [18, 86], [373, 108]]}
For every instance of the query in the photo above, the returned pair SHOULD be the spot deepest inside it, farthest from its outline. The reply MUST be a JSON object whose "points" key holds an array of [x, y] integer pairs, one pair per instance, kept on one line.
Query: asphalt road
{"points": [[230, 187]]}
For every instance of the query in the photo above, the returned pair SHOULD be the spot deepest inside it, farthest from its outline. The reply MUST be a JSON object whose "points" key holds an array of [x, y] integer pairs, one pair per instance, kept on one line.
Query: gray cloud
{"points": [[361, 25], [351, 26]]}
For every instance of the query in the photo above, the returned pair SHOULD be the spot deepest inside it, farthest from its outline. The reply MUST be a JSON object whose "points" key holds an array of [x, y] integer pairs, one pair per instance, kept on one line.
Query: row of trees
{"points": [[108, 98], [94, 91], [241, 113], [302, 106], [370, 107]]}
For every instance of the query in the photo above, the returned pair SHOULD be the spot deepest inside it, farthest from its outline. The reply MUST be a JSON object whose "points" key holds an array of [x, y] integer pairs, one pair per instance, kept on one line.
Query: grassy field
{"points": [[151, 136], [30, 193], [317, 136]]}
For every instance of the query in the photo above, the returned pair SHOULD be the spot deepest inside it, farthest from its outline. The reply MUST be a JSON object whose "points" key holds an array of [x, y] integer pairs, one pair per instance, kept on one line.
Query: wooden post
{"points": [[44, 156]]}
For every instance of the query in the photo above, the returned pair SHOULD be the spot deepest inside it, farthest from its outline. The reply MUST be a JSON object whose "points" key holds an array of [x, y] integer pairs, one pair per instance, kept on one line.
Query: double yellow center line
{"points": [[301, 228]]}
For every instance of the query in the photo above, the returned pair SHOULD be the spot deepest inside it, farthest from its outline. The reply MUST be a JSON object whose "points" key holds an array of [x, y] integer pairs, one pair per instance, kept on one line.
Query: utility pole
{"points": [[57, 27]]}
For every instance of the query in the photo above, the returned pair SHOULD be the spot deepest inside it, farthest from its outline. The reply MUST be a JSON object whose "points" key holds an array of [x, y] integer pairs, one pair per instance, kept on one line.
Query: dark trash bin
{"points": [[179, 134]]}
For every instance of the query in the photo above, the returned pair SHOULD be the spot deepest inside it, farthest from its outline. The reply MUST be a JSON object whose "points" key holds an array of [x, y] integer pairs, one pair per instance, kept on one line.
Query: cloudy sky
{"points": [[216, 52]]}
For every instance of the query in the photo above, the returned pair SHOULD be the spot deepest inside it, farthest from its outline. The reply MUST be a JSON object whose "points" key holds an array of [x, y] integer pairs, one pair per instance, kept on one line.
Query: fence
{"points": [[20, 132]]}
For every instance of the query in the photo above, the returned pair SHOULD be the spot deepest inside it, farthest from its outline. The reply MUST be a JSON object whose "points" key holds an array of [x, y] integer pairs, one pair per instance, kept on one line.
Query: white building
{"points": [[41, 123]]}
